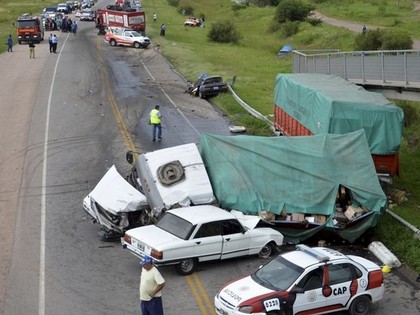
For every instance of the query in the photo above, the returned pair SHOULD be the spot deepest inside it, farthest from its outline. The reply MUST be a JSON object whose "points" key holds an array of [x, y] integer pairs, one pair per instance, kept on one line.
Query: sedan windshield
{"points": [[278, 274], [175, 225]]}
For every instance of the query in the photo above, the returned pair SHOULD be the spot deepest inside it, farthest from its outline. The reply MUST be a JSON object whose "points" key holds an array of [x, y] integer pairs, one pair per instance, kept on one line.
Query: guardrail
{"points": [[387, 67]]}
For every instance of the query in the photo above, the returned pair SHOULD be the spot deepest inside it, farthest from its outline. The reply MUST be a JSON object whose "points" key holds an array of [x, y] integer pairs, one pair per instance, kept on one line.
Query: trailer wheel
{"points": [[136, 45], [20, 42], [113, 42]]}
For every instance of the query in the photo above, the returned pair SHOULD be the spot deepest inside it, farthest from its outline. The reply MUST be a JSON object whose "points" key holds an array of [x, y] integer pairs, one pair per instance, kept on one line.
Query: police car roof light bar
{"points": [[313, 252]]}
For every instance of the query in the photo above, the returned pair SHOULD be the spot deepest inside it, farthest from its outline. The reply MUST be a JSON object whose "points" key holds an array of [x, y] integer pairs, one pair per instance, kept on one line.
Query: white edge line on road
{"points": [[172, 102], [41, 287]]}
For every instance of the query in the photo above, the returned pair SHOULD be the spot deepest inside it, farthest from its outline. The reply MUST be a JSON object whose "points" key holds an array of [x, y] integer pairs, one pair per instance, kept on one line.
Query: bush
{"points": [[381, 39], [173, 3], [290, 28], [223, 32], [186, 10], [396, 40], [314, 21], [238, 6], [265, 3], [292, 10], [410, 113]]}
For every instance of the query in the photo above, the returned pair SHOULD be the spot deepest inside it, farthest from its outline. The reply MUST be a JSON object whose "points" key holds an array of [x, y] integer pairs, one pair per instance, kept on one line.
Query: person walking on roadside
{"points": [[54, 41], [156, 120], [162, 30], [74, 28], [150, 290], [10, 44], [50, 43], [31, 50]]}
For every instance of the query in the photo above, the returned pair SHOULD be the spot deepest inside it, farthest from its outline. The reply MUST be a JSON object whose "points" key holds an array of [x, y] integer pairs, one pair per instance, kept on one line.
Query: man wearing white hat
{"points": [[151, 285]]}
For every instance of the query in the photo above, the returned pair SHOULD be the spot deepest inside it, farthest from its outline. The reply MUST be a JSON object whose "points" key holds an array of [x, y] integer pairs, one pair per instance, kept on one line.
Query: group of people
{"points": [[53, 41]]}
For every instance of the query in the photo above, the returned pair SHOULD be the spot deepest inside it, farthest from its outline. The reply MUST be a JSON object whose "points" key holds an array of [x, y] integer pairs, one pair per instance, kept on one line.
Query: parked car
{"points": [[192, 21], [206, 86], [185, 236], [305, 281], [49, 12], [87, 15], [63, 7], [117, 36]]}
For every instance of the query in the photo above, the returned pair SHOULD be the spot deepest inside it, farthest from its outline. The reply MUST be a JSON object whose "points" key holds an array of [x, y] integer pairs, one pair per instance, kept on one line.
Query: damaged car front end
{"points": [[115, 204]]}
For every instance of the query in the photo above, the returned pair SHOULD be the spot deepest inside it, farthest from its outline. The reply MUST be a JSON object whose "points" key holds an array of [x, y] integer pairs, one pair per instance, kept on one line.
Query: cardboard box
{"points": [[350, 213], [320, 219], [299, 217]]}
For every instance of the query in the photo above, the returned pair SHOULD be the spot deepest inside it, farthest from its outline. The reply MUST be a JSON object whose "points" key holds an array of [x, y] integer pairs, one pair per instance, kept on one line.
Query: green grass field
{"points": [[254, 64]]}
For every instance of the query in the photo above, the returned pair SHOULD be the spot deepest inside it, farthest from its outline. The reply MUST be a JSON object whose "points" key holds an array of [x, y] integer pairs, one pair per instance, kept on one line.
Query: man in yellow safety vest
{"points": [[155, 121]]}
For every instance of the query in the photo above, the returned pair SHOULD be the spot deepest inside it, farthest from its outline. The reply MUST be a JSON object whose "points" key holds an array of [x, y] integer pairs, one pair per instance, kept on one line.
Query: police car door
{"points": [[311, 298], [340, 277]]}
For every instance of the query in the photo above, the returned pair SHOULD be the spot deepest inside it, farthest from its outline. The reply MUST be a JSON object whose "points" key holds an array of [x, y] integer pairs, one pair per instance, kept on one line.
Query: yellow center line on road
{"points": [[194, 282], [200, 294], [118, 117]]}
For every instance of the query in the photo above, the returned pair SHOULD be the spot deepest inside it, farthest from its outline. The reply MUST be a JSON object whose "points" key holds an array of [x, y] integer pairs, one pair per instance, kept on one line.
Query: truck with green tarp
{"points": [[312, 104], [300, 186]]}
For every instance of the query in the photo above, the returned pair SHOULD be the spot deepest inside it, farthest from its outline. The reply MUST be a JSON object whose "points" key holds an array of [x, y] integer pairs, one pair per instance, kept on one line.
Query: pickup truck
{"points": [[126, 37]]}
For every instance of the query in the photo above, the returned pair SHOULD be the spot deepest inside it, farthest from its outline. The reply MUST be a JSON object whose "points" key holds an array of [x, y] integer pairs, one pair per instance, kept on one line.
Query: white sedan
{"points": [[305, 281], [185, 236]]}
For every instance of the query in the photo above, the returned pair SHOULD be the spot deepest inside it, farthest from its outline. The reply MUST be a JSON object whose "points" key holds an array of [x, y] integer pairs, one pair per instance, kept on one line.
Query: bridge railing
{"points": [[395, 67]]}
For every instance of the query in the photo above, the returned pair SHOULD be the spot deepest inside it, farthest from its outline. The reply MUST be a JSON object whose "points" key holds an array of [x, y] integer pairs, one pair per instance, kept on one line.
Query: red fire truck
{"points": [[130, 19], [29, 29]]}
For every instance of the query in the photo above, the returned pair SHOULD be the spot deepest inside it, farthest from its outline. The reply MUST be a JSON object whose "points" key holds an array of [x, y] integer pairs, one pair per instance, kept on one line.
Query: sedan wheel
{"points": [[137, 45], [360, 306], [113, 42], [267, 250], [186, 267], [201, 95]]}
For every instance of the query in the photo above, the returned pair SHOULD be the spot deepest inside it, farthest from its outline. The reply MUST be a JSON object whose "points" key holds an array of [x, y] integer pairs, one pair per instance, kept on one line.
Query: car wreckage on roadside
{"points": [[207, 86]]}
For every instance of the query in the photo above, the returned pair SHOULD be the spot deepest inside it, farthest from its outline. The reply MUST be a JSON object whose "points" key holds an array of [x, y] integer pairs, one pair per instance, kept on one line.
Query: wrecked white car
{"points": [[160, 180], [115, 204]]}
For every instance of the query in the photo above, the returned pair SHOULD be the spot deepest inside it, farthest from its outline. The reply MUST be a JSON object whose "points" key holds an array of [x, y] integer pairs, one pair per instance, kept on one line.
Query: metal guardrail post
{"points": [[345, 66], [383, 66], [405, 68], [329, 64], [362, 56]]}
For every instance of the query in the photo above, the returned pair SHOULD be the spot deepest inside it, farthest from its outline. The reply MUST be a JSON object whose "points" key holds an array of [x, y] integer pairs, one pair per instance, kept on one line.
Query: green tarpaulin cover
{"points": [[330, 104], [298, 174]]}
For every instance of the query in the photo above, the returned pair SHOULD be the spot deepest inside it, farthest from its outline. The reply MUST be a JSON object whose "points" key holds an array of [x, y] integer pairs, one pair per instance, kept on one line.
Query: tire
{"points": [[113, 42], [360, 306], [201, 95], [186, 267], [136, 45], [268, 250]]}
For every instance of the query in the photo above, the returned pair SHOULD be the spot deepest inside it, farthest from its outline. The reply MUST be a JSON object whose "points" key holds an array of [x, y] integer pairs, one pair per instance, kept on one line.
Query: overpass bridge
{"points": [[395, 73]]}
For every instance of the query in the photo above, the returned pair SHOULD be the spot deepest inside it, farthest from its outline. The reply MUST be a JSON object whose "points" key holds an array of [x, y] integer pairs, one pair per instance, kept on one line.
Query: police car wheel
{"points": [[186, 266], [267, 250], [360, 306]]}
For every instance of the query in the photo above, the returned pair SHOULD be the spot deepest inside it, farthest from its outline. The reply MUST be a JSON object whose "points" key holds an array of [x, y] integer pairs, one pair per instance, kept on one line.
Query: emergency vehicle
{"points": [[308, 280], [29, 29]]}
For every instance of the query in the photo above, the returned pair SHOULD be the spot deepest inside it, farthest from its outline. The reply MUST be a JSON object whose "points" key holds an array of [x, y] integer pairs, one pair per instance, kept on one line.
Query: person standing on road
{"points": [[31, 50], [150, 291], [156, 120], [74, 28], [50, 43], [10, 44], [54, 41]]}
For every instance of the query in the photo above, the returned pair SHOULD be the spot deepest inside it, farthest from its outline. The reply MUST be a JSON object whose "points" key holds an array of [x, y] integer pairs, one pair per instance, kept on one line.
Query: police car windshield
{"points": [[278, 274]]}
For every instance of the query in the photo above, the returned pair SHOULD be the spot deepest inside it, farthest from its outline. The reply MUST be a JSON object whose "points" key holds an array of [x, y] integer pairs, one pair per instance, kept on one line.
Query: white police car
{"points": [[305, 281]]}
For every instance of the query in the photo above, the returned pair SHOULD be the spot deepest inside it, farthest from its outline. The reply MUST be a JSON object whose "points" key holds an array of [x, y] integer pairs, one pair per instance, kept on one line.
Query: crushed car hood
{"points": [[116, 195]]}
